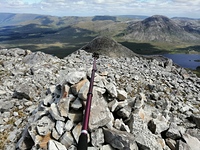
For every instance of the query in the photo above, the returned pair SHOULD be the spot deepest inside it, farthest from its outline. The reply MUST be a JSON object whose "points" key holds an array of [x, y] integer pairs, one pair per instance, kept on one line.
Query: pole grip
{"points": [[82, 142]]}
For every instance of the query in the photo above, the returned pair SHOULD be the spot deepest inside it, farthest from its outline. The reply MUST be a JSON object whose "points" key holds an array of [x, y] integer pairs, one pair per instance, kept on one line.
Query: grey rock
{"points": [[25, 90], [106, 147], [192, 142], [44, 125], [72, 147], [119, 125], [120, 140], [76, 87], [158, 125], [138, 102], [60, 127], [182, 146], [69, 125], [124, 112], [92, 148], [113, 105], [77, 104], [196, 119], [55, 134], [37, 58], [48, 100], [75, 77], [84, 91], [112, 90], [54, 145], [173, 132], [18, 122], [144, 138], [171, 143], [63, 105], [194, 133], [75, 117], [55, 113], [6, 106], [2, 92], [121, 94], [77, 131], [66, 139], [13, 136], [97, 137], [99, 116]]}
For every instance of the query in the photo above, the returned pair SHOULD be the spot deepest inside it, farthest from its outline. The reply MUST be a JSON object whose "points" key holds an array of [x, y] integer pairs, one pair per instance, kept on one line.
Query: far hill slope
{"points": [[159, 29], [11, 19]]}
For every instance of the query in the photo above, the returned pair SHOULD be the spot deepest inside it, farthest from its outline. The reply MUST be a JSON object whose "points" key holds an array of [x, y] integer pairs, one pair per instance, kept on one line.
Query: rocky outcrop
{"points": [[138, 103], [109, 47]]}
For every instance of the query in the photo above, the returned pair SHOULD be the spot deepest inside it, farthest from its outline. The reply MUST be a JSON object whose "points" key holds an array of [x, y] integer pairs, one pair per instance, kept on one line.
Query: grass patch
{"points": [[4, 138], [197, 72]]}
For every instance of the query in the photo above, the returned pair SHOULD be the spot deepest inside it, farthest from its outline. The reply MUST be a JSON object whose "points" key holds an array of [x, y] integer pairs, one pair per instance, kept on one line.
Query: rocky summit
{"points": [[138, 103]]}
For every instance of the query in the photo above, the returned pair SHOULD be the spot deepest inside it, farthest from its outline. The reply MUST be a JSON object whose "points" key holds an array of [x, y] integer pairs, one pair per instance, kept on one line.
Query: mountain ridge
{"points": [[159, 28], [141, 34]]}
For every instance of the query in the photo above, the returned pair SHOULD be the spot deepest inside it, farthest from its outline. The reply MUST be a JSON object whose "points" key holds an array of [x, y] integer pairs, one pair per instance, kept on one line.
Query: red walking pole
{"points": [[82, 142]]}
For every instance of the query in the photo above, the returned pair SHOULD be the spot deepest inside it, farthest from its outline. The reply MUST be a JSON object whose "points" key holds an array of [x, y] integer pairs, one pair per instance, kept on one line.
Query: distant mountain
{"points": [[104, 18], [184, 18], [10, 19], [159, 29]]}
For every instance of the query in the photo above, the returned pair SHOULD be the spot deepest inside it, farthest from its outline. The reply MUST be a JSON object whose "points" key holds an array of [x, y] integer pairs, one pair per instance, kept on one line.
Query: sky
{"points": [[169, 8]]}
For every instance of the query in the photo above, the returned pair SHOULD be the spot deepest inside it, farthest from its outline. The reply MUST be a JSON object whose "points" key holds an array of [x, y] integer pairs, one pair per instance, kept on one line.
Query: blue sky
{"points": [[170, 8]]}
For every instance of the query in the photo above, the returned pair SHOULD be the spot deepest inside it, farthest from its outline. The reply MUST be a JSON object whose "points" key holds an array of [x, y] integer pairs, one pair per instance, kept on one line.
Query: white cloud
{"points": [[104, 7]]}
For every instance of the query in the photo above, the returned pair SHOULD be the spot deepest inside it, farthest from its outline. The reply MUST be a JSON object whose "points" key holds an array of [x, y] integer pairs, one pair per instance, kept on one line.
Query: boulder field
{"points": [[138, 103]]}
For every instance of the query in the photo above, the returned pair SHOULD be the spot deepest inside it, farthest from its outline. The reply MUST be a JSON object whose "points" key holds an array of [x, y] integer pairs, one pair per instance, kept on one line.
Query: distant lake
{"points": [[191, 61]]}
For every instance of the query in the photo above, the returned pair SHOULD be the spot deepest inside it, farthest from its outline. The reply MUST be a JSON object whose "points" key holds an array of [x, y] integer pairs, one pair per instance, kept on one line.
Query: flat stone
{"points": [[113, 105], [48, 100], [60, 127], [12, 136], [76, 87], [106, 147], [67, 139], [121, 94], [75, 117], [173, 132], [124, 112], [97, 137], [182, 146], [158, 125], [171, 143], [191, 141], [69, 125], [112, 90], [55, 134], [196, 119], [99, 116], [63, 105], [84, 91], [54, 145], [75, 77], [55, 113], [119, 139], [44, 125], [77, 131], [77, 104]]}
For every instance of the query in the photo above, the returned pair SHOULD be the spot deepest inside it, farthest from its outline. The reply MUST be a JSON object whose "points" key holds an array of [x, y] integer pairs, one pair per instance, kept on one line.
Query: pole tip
{"points": [[95, 55]]}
